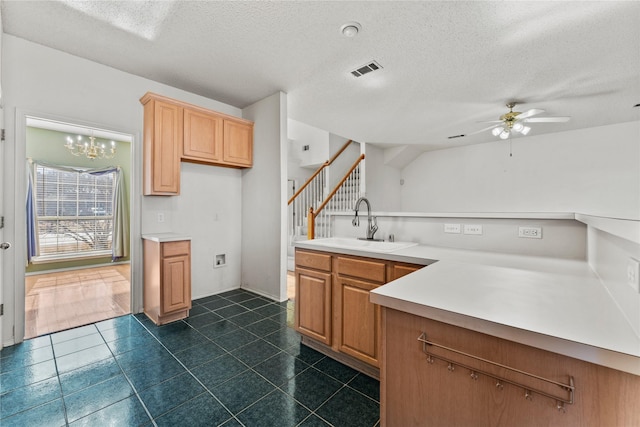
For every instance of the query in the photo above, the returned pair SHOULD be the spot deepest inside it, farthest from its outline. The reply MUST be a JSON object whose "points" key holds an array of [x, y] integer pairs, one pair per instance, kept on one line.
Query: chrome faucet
{"points": [[372, 226]]}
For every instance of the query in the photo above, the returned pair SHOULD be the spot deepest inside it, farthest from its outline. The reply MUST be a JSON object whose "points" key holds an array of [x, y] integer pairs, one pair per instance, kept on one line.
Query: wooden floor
{"points": [[63, 300], [291, 285]]}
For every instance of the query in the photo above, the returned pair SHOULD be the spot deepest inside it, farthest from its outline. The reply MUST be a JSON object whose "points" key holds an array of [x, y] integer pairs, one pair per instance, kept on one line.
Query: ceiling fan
{"points": [[515, 121]]}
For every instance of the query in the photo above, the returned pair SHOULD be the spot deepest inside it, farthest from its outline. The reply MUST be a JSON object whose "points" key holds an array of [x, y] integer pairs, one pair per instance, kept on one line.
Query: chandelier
{"points": [[90, 149]]}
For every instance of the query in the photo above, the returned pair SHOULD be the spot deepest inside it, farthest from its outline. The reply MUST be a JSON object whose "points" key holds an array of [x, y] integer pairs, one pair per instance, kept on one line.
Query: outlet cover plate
{"points": [[530, 232], [452, 228], [473, 229]]}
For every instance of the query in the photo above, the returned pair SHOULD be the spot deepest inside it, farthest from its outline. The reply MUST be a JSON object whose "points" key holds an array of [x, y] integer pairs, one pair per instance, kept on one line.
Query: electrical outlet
{"points": [[452, 228], [160, 217], [530, 232], [633, 274], [473, 229]]}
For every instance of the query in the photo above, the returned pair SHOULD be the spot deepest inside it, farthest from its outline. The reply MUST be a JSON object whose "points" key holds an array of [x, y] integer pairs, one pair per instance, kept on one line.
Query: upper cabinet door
{"points": [[202, 136], [238, 143], [162, 141]]}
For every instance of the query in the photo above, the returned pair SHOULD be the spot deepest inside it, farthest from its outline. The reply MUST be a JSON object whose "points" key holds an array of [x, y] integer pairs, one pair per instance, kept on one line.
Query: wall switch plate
{"points": [[530, 232], [633, 274], [473, 229], [452, 228]]}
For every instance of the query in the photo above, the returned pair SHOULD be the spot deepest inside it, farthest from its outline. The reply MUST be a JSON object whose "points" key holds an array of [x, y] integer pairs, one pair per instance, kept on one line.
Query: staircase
{"points": [[311, 206]]}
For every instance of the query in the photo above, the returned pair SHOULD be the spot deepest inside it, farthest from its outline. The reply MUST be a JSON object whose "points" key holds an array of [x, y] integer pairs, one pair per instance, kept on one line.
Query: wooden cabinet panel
{"points": [[238, 143], [180, 247], [318, 261], [417, 393], [176, 284], [162, 140], [357, 320], [167, 280], [313, 304], [398, 270], [202, 136], [367, 269]]}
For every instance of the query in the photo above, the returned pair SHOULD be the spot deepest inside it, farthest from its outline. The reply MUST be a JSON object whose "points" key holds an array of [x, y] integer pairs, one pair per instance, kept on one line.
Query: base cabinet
{"points": [[418, 391], [333, 307], [313, 295], [167, 280]]}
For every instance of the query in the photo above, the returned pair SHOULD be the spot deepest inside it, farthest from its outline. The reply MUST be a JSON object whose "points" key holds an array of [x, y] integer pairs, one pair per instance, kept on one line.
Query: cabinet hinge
{"points": [[1, 309], [1, 134], [1, 222]]}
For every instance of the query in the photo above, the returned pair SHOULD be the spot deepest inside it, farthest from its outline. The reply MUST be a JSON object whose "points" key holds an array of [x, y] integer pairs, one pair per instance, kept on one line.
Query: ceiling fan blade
{"points": [[491, 121], [529, 113], [547, 120]]}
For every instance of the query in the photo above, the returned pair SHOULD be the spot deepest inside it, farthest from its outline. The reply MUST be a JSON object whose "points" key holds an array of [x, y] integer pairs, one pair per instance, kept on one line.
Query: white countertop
{"points": [[165, 237], [555, 304]]}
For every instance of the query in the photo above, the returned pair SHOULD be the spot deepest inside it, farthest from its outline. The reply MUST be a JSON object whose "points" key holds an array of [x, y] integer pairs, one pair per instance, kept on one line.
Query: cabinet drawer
{"points": [[313, 260], [175, 248], [363, 269]]}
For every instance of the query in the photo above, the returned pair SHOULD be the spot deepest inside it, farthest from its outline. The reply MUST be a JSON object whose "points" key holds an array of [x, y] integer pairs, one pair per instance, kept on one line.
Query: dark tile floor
{"points": [[233, 362]]}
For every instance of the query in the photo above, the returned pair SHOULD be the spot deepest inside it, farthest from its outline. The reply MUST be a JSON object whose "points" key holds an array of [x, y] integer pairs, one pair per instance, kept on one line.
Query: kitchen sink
{"points": [[368, 245]]}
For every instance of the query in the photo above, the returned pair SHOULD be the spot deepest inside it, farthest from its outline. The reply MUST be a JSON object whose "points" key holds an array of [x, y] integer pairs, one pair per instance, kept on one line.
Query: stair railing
{"points": [[352, 175], [319, 171], [311, 194]]}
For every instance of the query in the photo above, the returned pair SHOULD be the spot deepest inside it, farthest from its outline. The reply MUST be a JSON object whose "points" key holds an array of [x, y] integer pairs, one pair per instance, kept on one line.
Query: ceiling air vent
{"points": [[365, 69]]}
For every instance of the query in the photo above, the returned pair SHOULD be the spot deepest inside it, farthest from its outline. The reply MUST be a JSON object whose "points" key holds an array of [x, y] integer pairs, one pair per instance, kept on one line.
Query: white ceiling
{"points": [[447, 65]]}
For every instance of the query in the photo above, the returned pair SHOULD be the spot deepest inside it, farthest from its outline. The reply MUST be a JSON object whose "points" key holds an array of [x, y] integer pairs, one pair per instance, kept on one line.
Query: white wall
{"points": [[316, 139], [561, 238], [212, 198], [609, 256], [383, 181], [264, 196], [343, 162], [43, 81], [594, 171]]}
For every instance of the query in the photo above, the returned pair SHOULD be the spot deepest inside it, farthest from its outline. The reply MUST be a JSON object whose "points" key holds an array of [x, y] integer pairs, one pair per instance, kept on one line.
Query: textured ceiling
{"points": [[447, 65]]}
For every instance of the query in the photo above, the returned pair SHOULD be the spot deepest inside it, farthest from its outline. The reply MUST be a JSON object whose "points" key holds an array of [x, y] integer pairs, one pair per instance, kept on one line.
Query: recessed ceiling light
{"points": [[350, 29]]}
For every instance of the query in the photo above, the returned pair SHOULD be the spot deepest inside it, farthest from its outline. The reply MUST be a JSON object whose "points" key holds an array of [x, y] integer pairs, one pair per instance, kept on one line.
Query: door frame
{"points": [[19, 245]]}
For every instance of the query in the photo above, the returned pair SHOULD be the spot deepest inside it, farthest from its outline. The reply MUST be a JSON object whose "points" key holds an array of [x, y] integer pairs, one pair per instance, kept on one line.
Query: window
{"points": [[74, 212]]}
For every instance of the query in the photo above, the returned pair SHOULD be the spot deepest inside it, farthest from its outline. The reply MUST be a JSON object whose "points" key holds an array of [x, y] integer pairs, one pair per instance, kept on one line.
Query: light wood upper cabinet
{"points": [[203, 133], [238, 143], [162, 141], [175, 131]]}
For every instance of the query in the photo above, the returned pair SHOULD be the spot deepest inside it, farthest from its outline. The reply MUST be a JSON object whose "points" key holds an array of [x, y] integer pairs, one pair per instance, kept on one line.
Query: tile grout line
{"points": [[64, 403], [189, 371], [135, 391]]}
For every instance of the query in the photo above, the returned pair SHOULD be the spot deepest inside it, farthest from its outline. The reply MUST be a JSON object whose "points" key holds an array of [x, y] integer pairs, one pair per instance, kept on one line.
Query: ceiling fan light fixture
{"points": [[525, 130], [518, 127], [497, 131], [504, 134]]}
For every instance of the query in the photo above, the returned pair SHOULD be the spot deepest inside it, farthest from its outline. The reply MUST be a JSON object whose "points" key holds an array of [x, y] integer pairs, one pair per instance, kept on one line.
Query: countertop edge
{"points": [[165, 237]]}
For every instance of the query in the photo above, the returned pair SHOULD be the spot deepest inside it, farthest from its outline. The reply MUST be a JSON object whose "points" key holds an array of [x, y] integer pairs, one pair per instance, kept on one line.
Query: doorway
{"points": [[78, 234]]}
